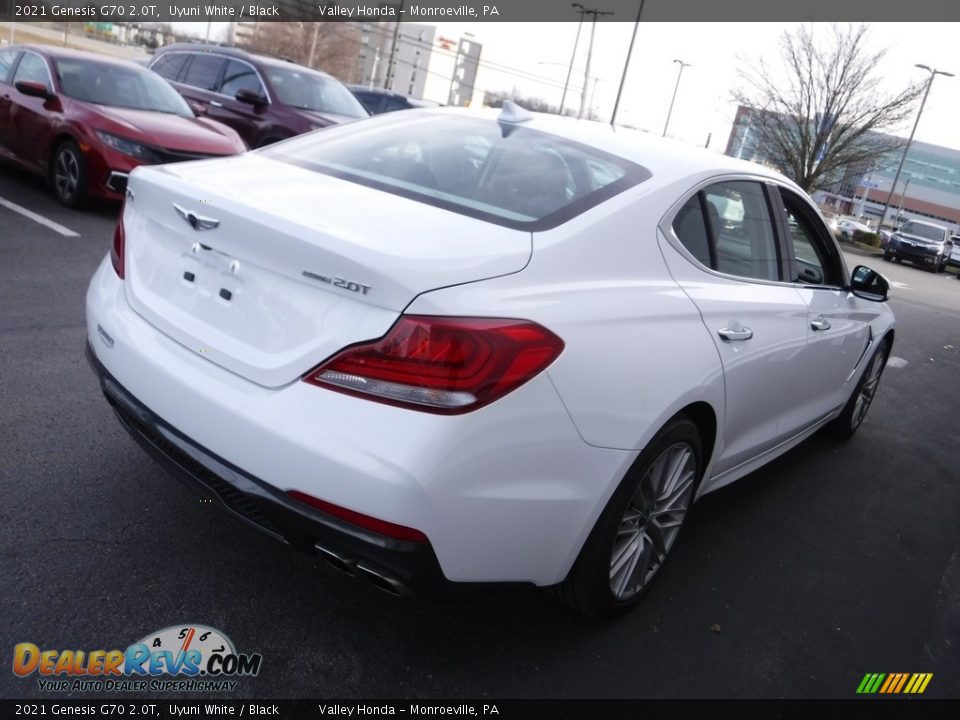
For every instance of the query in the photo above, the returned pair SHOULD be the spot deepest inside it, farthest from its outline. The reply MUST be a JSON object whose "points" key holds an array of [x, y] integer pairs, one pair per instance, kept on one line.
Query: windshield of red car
{"points": [[118, 86], [307, 90]]}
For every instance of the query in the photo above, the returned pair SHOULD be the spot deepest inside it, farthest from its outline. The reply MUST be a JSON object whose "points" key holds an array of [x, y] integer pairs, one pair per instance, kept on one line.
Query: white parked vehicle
{"points": [[848, 226], [443, 348]]}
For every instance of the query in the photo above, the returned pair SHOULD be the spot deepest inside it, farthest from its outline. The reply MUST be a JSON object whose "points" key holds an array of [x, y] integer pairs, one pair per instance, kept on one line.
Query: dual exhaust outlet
{"points": [[378, 577]]}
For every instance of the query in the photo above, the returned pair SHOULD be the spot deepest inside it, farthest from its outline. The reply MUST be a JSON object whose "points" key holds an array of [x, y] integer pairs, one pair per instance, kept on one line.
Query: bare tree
{"points": [[330, 46], [826, 109]]}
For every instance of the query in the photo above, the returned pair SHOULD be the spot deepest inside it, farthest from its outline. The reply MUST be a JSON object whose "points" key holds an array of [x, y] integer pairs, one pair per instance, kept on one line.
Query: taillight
{"points": [[116, 250], [442, 364], [381, 527]]}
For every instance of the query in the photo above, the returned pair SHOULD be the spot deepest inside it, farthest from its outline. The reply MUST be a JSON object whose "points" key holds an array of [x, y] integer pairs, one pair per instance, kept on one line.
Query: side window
{"points": [[394, 103], [691, 229], [742, 230], [32, 68], [808, 244], [6, 62], [728, 227], [240, 76], [203, 71], [370, 101], [169, 65]]}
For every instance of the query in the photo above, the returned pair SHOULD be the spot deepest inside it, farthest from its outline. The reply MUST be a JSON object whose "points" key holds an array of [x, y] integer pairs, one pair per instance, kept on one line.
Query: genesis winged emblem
{"points": [[197, 222]]}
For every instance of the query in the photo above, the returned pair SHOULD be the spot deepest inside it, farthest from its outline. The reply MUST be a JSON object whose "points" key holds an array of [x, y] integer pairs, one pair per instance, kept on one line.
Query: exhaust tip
{"points": [[337, 560], [382, 579]]}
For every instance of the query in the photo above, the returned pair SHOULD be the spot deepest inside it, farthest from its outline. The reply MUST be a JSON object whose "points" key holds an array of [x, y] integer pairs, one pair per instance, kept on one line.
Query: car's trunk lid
{"points": [[298, 264]]}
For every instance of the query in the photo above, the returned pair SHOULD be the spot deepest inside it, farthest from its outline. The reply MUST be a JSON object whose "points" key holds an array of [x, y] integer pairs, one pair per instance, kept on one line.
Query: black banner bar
{"points": [[471, 10], [879, 708]]}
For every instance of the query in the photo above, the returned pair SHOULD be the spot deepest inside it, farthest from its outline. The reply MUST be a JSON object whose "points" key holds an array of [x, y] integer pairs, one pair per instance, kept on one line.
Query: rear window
{"points": [[505, 174]]}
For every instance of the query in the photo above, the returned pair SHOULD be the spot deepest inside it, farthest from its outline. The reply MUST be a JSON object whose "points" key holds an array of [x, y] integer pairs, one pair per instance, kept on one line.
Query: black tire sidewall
{"points": [[592, 568], [79, 197], [840, 426]]}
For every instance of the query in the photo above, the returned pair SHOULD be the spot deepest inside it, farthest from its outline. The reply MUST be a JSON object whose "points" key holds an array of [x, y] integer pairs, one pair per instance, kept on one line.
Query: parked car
{"points": [[954, 258], [262, 98], [922, 243], [523, 370], [84, 121], [377, 100], [846, 227]]}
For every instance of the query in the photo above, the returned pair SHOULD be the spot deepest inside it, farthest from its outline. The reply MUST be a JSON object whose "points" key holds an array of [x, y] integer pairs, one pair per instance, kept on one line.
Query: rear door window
{"points": [[729, 228], [204, 71], [169, 65]]}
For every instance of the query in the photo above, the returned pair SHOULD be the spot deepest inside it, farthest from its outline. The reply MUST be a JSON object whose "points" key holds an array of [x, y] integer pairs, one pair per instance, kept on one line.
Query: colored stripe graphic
{"points": [[894, 683]]}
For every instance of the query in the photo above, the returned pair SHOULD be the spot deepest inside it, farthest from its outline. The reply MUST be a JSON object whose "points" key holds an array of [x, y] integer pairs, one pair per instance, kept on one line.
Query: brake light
{"points": [[116, 250], [381, 527], [442, 364]]}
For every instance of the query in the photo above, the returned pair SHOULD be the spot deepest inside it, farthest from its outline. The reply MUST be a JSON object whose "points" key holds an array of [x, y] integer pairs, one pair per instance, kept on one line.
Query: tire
{"points": [[851, 417], [887, 256], [68, 176], [942, 266], [630, 541]]}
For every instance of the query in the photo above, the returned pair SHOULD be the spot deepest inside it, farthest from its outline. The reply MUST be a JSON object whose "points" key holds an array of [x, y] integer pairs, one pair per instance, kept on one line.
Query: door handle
{"points": [[739, 333], [216, 103], [820, 323]]}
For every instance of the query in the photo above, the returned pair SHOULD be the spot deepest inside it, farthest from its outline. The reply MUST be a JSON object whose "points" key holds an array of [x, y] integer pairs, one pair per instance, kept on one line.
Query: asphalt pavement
{"points": [[834, 561]]}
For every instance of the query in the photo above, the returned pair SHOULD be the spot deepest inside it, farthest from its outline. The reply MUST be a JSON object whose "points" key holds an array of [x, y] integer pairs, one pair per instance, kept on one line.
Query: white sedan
{"points": [[445, 348]]}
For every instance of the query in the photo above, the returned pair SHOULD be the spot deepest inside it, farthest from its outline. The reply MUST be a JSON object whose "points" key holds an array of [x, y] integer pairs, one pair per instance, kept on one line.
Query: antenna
{"points": [[513, 113]]}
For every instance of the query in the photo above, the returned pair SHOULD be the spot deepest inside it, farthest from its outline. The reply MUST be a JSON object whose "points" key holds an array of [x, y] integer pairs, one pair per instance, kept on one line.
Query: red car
{"points": [[84, 121]]}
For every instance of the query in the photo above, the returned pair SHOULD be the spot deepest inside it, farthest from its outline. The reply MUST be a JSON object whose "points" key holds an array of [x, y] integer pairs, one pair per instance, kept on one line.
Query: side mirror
{"points": [[245, 95], [34, 89], [869, 284]]}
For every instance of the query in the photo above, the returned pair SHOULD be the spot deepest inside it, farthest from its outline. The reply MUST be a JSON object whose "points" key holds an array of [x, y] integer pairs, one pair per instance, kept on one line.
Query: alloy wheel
{"points": [[66, 173], [652, 520], [868, 390]]}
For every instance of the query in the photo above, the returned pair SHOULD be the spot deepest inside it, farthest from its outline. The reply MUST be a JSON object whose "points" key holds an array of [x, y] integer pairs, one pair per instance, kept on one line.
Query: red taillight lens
{"points": [[442, 364], [381, 527], [116, 250]]}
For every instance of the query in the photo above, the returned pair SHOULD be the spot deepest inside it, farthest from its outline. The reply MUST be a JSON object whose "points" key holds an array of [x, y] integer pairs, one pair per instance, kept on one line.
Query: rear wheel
{"points": [[639, 526], [69, 175], [887, 256], [846, 423]]}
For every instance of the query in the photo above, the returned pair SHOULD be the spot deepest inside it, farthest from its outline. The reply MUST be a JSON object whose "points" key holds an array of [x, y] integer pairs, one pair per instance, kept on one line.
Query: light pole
{"points": [[675, 88], [576, 42], [586, 71], [902, 196], [933, 73]]}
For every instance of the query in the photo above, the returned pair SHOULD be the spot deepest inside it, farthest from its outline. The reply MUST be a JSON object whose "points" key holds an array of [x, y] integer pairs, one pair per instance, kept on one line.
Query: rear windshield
{"points": [[505, 174], [928, 232]]}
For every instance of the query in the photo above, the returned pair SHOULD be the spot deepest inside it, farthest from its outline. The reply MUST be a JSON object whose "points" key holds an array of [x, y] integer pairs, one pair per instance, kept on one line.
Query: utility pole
{"points": [[902, 196], [626, 64], [576, 43], [394, 47], [586, 71], [933, 73]]}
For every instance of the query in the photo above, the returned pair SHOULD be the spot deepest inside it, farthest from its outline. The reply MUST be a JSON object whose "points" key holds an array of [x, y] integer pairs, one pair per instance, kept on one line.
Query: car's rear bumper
{"points": [[392, 565], [504, 494]]}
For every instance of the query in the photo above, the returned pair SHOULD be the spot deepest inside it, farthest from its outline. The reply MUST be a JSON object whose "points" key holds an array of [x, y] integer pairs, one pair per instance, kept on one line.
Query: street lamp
{"points": [[933, 73], [675, 88]]}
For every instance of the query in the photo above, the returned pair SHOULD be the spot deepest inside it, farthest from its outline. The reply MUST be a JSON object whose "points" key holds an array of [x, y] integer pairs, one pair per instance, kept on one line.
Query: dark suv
{"points": [[922, 243], [263, 99], [378, 101]]}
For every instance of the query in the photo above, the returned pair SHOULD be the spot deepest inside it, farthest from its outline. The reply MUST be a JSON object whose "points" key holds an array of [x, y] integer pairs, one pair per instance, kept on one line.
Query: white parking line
{"points": [[46, 222]]}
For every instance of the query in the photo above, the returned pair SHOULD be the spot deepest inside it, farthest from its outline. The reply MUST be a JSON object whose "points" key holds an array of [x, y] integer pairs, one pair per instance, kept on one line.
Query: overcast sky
{"points": [[715, 50]]}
